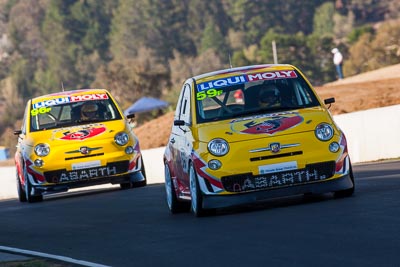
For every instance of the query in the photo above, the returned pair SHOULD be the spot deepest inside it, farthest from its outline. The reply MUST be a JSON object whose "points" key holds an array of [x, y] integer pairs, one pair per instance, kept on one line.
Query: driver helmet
{"points": [[269, 96], [89, 111]]}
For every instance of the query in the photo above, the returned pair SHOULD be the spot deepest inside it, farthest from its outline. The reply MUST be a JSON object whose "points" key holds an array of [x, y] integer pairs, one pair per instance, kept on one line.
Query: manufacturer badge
{"points": [[84, 150], [275, 147]]}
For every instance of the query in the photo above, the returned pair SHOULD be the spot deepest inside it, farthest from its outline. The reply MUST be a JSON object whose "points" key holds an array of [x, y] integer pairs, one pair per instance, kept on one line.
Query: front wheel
{"points": [[143, 171], [28, 190], [20, 190], [347, 192], [197, 195]]}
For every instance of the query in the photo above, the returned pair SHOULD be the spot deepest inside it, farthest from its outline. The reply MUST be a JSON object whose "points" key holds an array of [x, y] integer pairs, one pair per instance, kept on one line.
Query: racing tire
{"points": [[20, 190], [197, 196], [347, 192], [143, 171], [125, 186], [174, 205], [28, 188]]}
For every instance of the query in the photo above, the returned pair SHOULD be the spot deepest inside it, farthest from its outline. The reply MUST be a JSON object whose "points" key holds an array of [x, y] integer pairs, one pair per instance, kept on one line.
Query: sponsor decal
{"points": [[266, 124], [244, 78], [208, 93], [288, 176], [278, 167], [80, 133], [86, 165], [93, 172], [42, 110], [68, 99], [86, 174], [274, 180]]}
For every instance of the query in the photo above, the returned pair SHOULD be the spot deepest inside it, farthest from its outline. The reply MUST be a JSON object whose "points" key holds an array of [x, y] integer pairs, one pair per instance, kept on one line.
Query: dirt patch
{"points": [[155, 133], [353, 97], [374, 89]]}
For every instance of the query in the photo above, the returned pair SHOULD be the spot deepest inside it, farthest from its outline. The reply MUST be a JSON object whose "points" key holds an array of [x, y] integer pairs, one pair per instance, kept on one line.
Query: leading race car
{"points": [[74, 139], [246, 134]]}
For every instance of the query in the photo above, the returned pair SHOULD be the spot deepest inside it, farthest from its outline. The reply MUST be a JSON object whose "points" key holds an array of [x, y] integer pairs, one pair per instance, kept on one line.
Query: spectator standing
{"points": [[338, 61]]}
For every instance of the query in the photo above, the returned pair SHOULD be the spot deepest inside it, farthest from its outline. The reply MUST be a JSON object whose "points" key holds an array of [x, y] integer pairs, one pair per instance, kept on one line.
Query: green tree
{"points": [[60, 51], [158, 25], [24, 30], [213, 39], [323, 20], [359, 57]]}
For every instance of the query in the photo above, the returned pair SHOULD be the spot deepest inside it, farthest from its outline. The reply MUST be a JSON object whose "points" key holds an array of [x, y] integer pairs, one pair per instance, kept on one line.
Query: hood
{"points": [[263, 125], [79, 133]]}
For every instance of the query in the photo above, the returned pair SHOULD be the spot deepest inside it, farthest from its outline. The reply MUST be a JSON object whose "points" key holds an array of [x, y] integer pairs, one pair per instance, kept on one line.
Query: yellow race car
{"points": [[74, 139], [246, 134]]}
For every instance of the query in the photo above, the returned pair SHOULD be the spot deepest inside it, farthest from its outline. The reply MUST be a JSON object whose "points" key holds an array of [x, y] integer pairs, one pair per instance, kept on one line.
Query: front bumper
{"points": [[219, 201], [135, 177]]}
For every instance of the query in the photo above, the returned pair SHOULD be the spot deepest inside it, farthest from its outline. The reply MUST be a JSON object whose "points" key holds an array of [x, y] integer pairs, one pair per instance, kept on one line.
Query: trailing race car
{"points": [[75, 139], [245, 134]]}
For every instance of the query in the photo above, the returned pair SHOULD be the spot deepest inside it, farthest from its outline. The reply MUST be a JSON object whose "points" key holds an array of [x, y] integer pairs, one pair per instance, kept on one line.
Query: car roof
{"points": [[240, 70]]}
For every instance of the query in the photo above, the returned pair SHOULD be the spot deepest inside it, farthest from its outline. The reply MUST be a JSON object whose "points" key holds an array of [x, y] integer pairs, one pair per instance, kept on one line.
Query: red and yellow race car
{"points": [[251, 133], [74, 139]]}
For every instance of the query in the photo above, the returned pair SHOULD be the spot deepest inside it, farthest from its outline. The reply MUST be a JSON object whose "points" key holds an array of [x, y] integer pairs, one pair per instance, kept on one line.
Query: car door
{"points": [[21, 147], [179, 142]]}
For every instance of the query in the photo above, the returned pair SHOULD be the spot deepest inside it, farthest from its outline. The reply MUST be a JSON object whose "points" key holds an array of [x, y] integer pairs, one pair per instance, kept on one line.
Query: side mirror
{"points": [[180, 123], [17, 132], [131, 119], [131, 116], [329, 101]]}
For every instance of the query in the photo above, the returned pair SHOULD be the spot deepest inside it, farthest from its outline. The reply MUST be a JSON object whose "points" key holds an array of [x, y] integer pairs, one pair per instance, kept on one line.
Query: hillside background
{"points": [[138, 48]]}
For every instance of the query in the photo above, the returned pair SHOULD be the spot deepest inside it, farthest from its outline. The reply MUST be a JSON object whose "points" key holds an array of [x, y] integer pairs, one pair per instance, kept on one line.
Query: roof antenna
{"points": [[230, 60], [62, 86]]}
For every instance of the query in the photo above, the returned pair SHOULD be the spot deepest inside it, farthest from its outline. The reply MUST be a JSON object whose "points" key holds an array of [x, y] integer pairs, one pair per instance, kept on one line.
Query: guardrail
{"points": [[372, 134]]}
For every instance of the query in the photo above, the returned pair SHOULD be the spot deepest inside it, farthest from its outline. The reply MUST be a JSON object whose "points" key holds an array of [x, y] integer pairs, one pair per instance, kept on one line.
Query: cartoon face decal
{"points": [[266, 124], [83, 133]]}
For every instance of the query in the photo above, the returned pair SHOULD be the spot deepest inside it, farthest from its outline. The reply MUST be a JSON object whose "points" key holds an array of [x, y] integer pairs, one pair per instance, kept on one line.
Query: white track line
{"points": [[50, 256]]}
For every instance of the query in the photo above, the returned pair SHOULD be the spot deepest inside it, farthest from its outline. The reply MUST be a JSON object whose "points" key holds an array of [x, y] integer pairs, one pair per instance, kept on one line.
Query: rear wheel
{"points": [[197, 195], [347, 192], [174, 205]]}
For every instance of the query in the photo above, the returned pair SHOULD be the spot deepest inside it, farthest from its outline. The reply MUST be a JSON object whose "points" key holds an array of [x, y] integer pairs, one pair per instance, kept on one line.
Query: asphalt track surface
{"points": [[115, 227]]}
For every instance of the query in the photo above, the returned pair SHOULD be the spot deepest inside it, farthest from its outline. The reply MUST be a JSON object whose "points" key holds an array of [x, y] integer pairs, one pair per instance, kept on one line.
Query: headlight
{"points": [[218, 147], [324, 132], [42, 150], [214, 164], [334, 147], [121, 138]]}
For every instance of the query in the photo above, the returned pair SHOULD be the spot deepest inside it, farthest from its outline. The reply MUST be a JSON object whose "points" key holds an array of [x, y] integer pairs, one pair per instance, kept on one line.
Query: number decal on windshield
{"points": [[209, 93], [42, 110]]}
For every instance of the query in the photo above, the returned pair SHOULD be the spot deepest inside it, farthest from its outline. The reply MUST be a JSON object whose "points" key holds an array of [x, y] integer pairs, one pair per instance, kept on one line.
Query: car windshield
{"points": [[72, 113], [221, 99]]}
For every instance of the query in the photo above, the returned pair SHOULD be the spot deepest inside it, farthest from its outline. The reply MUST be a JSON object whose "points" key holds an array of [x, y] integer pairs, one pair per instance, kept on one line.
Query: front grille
{"points": [[64, 176], [85, 156], [248, 182], [295, 153]]}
